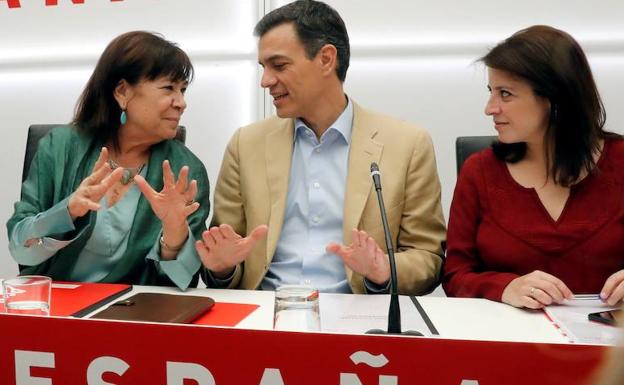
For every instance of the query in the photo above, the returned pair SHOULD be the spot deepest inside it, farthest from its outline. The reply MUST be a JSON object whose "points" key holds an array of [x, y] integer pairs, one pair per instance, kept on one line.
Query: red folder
{"points": [[78, 299], [226, 314], [83, 299]]}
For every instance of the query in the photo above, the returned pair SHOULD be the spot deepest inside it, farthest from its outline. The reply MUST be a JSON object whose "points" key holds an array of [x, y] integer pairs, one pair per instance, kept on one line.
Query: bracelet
{"points": [[164, 246]]}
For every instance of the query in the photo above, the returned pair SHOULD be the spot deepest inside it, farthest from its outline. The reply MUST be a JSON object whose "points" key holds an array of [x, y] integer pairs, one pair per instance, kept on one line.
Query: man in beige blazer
{"points": [[304, 51]]}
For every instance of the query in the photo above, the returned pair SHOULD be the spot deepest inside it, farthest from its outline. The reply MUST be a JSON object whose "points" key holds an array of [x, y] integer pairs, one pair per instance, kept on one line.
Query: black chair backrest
{"points": [[467, 145], [38, 131]]}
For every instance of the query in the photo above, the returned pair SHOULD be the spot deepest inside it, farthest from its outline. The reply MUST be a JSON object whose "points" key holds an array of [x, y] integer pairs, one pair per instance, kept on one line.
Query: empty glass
{"points": [[297, 308], [28, 294]]}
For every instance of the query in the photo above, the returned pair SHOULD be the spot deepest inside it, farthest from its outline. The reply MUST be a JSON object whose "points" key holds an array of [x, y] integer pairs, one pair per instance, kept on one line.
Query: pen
{"points": [[586, 296]]}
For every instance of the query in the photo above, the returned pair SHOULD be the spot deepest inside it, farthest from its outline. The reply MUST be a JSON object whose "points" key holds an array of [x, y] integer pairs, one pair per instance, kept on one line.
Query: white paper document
{"points": [[572, 320], [356, 314]]}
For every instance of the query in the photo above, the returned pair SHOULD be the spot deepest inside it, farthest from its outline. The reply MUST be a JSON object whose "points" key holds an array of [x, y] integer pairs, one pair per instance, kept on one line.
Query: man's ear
{"points": [[123, 93], [328, 59]]}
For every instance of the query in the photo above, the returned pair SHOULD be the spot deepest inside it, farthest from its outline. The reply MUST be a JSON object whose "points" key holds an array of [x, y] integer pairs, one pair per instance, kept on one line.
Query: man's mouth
{"points": [[277, 97]]}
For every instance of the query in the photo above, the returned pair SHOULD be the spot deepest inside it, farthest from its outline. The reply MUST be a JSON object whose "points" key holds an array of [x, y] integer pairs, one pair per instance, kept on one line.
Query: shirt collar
{"points": [[343, 124]]}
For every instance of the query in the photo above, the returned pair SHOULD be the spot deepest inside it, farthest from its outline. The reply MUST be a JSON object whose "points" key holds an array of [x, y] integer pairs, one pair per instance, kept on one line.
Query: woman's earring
{"points": [[123, 118]]}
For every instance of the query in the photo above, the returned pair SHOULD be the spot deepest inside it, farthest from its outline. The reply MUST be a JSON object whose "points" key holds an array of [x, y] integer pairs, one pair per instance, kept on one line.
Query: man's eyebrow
{"points": [[272, 58]]}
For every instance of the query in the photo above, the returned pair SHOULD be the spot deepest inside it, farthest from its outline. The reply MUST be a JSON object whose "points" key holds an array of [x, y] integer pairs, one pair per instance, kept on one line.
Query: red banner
{"points": [[39, 350]]}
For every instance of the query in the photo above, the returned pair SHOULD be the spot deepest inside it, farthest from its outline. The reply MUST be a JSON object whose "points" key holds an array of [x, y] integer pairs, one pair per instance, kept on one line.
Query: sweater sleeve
{"points": [[36, 238], [39, 228], [465, 273], [181, 269]]}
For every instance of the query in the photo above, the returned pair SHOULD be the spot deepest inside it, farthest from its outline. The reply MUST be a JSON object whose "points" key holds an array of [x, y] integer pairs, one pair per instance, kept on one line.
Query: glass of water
{"points": [[297, 308], [28, 294]]}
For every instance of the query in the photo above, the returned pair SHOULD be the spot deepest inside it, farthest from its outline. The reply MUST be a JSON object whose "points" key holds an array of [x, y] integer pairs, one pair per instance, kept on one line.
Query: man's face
{"points": [[294, 81]]}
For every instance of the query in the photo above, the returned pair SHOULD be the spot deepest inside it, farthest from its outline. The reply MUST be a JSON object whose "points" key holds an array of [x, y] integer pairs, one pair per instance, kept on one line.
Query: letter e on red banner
{"points": [[13, 3]]}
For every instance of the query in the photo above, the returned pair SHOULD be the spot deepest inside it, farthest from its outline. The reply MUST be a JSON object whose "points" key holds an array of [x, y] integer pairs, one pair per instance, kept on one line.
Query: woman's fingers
{"points": [[99, 175], [611, 283], [91, 205], [168, 177], [548, 289], [101, 160], [148, 192], [190, 209], [190, 194], [531, 303], [559, 285], [97, 191], [182, 184], [541, 296], [111, 179]]}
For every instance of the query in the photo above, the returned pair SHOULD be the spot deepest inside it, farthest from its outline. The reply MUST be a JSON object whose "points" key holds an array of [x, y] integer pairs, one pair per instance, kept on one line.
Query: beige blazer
{"points": [[252, 188]]}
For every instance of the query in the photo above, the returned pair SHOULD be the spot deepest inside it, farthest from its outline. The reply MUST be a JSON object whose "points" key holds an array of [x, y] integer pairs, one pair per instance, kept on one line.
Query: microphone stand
{"points": [[394, 311]]}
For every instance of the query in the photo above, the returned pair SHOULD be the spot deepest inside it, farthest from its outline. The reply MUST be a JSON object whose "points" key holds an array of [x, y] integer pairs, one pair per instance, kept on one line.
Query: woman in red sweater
{"points": [[540, 215]]}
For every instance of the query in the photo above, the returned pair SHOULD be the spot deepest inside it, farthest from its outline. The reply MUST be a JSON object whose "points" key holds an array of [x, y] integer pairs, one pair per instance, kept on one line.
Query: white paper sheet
{"points": [[572, 320], [356, 314]]}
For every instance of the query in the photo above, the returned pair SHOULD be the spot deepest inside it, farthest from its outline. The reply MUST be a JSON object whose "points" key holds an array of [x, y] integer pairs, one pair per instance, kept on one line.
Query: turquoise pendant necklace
{"points": [[128, 172]]}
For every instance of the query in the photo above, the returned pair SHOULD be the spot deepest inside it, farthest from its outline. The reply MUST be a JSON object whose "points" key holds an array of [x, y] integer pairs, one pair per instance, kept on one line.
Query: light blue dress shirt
{"points": [[314, 210]]}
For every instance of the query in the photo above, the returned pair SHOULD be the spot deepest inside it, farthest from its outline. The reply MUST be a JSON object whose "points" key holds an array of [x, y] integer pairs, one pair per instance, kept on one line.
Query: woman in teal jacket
{"points": [[101, 202]]}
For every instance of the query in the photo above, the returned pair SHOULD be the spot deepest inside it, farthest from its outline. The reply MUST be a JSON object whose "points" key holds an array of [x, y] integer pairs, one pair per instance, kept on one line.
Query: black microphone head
{"points": [[376, 175]]}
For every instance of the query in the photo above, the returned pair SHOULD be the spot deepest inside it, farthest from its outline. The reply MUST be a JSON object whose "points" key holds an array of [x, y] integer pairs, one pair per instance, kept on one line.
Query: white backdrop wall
{"points": [[410, 58]]}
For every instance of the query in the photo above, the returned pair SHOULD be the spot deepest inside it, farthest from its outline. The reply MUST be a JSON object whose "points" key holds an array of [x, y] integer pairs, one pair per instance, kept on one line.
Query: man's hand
{"points": [[364, 257], [221, 249]]}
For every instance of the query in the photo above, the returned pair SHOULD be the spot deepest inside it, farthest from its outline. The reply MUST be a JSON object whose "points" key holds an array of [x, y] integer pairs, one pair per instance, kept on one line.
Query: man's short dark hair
{"points": [[316, 24]]}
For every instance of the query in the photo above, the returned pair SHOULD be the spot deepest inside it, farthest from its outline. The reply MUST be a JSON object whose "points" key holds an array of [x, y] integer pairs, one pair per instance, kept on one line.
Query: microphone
{"points": [[394, 311]]}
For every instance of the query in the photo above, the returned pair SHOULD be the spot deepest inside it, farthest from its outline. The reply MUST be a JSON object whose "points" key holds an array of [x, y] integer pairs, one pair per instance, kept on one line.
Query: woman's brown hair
{"points": [[554, 64], [133, 56]]}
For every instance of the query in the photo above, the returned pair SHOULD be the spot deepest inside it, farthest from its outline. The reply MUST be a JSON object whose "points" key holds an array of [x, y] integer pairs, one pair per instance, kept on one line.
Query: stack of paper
{"points": [[572, 320]]}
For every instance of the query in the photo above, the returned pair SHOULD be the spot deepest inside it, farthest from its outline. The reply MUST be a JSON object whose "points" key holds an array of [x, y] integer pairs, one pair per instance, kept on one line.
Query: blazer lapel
{"points": [[279, 148], [364, 150]]}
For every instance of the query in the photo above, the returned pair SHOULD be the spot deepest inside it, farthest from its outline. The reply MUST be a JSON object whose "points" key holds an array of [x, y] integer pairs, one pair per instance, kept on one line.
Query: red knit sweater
{"points": [[499, 230]]}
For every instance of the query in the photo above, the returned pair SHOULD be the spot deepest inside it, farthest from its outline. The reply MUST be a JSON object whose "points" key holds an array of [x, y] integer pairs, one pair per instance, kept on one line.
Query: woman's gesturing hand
{"points": [[172, 205], [175, 202], [93, 188]]}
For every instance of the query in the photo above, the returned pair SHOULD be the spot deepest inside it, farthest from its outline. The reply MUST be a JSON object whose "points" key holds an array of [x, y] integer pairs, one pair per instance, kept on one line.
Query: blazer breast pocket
{"points": [[371, 219]]}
